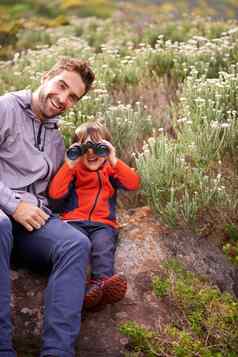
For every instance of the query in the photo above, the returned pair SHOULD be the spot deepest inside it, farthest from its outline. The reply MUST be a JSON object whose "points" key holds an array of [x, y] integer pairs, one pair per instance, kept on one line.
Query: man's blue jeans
{"points": [[66, 250]]}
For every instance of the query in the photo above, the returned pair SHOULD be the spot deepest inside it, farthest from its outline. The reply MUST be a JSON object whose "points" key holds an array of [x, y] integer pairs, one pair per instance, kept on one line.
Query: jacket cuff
{"points": [[120, 165], [67, 167], [11, 204]]}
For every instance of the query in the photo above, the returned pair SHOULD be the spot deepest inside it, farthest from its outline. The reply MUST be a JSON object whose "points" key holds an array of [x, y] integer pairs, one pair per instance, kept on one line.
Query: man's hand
{"points": [[30, 216]]}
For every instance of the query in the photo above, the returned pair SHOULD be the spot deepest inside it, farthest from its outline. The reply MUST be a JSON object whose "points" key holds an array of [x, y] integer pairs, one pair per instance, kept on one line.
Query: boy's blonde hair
{"points": [[95, 130]]}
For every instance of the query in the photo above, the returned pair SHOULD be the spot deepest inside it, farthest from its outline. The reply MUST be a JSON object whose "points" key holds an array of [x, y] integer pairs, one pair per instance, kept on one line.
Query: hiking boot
{"points": [[114, 289], [94, 293]]}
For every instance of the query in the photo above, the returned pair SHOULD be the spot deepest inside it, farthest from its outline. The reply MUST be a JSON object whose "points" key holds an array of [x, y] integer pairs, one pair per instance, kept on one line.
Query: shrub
{"points": [[208, 323], [33, 38], [180, 177]]}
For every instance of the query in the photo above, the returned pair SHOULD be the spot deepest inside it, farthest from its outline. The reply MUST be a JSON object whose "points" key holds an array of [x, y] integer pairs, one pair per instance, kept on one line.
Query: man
{"points": [[31, 150]]}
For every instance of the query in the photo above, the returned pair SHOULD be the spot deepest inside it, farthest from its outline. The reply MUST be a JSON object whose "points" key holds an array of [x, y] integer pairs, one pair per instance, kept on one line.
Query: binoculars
{"points": [[99, 149]]}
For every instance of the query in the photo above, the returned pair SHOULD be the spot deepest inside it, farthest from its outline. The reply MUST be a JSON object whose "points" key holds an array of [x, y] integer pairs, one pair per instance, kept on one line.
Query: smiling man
{"points": [[31, 151], [57, 94]]}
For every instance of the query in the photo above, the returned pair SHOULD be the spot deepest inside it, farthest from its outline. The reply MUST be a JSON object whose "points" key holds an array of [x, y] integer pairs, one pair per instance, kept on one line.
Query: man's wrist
{"points": [[12, 205]]}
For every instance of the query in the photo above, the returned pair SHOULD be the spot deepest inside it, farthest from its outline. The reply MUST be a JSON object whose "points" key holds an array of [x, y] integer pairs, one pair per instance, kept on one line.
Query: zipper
{"points": [[96, 199], [37, 138], [40, 144]]}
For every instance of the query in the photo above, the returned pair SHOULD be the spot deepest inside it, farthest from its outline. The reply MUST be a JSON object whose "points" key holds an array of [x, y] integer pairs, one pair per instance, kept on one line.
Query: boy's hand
{"points": [[71, 163], [112, 158]]}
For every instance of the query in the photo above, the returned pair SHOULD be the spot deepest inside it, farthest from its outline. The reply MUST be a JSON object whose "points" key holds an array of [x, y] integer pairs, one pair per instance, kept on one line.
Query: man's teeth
{"points": [[55, 104]]}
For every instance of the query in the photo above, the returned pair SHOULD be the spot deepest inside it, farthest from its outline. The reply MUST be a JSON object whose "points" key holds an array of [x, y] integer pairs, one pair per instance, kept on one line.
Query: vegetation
{"points": [[230, 248], [166, 87], [204, 321], [196, 61], [38, 16]]}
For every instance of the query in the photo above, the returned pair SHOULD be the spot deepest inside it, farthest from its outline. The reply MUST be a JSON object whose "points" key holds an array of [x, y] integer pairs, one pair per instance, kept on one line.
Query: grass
{"points": [[203, 320]]}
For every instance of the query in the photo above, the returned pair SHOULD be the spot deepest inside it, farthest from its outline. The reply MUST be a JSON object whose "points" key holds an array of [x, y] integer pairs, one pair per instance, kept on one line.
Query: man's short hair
{"points": [[75, 65]]}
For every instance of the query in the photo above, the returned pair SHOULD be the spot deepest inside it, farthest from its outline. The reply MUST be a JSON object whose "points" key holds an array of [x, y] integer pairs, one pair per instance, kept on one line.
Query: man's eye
{"points": [[73, 98]]}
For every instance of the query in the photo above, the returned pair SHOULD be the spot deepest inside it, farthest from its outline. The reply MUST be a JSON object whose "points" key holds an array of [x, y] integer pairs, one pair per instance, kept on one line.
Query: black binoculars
{"points": [[99, 149]]}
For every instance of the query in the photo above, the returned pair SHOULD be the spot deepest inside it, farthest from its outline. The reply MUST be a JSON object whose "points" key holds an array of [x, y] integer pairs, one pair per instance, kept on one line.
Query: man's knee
{"points": [[75, 245], [5, 223], [83, 242], [5, 230]]}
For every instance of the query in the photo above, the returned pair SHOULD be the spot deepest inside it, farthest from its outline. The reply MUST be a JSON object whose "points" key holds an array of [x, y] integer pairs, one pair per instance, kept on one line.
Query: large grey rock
{"points": [[144, 245]]}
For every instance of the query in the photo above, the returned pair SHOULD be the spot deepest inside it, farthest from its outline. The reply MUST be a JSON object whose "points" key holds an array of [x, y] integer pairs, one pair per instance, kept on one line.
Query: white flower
{"points": [[151, 141], [214, 124], [225, 125], [182, 120]]}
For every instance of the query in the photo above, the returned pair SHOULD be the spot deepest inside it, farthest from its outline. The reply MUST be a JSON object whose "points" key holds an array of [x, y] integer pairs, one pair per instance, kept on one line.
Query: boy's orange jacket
{"points": [[91, 195]]}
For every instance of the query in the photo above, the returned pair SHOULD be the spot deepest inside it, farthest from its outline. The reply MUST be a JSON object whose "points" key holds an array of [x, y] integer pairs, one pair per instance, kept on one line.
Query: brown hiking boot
{"points": [[94, 293], [114, 289]]}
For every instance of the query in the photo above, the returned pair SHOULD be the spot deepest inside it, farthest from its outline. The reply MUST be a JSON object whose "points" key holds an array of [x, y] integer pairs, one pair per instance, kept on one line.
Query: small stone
{"points": [[122, 315], [25, 310], [124, 341], [14, 275], [30, 293]]}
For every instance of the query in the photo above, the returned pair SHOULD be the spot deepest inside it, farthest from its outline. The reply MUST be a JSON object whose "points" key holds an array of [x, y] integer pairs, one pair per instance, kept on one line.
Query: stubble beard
{"points": [[43, 99]]}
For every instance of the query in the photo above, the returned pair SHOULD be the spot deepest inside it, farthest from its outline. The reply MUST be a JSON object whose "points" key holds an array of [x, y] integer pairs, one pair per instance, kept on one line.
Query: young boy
{"points": [[88, 182]]}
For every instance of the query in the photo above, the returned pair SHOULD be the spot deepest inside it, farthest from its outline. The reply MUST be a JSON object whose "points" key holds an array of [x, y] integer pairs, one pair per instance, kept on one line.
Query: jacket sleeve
{"points": [[125, 177], [8, 198], [59, 186]]}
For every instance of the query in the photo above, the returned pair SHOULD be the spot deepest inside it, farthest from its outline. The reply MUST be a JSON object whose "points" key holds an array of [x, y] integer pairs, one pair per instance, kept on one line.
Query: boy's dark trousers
{"points": [[103, 239]]}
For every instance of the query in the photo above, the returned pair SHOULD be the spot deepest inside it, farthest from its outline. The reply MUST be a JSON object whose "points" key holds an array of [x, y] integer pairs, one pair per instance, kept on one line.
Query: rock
{"points": [[144, 244], [201, 256]]}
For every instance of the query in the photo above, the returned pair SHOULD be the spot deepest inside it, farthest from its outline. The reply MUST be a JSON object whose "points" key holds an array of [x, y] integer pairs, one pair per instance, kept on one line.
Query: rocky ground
{"points": [[144, 245]]}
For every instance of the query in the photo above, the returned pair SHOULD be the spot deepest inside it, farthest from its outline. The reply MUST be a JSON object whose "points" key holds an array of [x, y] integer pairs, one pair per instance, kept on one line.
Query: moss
{"points": [[209, 319]]}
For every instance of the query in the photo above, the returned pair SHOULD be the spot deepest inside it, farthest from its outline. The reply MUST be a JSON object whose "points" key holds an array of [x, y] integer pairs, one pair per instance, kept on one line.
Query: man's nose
{"points": [[63, 98]]}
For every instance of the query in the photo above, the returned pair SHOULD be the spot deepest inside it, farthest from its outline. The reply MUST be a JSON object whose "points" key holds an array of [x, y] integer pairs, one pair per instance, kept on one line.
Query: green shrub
{"points": [[33, 38], [98, 8], [231, 247], [208, 323], [160, 286], [141, 337], [180, 177]]}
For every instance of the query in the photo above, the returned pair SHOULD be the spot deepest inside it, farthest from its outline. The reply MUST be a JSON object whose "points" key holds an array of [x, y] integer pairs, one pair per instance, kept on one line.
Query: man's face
{"points": [[57, 94]]}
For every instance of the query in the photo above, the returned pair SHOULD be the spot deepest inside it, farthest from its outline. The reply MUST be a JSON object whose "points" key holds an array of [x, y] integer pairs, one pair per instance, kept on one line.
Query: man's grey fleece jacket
{"points": [[31, 151]]}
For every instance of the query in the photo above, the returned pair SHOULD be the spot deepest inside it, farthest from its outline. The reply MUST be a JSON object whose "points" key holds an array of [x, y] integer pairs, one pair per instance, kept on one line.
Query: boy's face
{"points": [[90, 160], [57, 94]]}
